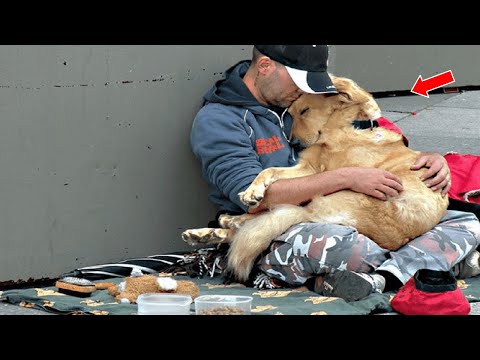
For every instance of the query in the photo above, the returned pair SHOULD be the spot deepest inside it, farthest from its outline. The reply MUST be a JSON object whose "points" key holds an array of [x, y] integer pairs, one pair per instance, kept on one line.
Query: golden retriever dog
{"points": [[324, 124]]}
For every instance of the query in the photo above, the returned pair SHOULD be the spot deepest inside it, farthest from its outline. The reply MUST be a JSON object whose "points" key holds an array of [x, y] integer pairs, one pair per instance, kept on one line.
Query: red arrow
{"points": [[422, 87]]}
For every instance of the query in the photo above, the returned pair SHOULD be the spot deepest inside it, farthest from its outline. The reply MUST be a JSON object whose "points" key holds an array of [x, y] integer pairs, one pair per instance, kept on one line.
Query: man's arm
{"points": [[220, 139], [370, 181]]}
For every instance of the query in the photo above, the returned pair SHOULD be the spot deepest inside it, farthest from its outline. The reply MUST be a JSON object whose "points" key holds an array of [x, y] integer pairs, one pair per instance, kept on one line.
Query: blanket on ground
{"points": [[298, 301]]}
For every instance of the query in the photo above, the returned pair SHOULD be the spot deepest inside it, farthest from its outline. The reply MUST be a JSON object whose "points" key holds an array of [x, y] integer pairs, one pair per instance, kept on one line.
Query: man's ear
{"points": [[265, 65]]}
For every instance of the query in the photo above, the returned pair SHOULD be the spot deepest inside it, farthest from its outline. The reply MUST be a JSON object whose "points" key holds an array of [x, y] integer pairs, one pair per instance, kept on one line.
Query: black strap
{"points": [[365, 124], [434, 280], [458, 205]]}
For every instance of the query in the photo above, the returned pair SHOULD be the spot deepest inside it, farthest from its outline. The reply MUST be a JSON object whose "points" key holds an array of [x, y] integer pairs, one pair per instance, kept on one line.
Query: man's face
{"points": [[278, 88]]}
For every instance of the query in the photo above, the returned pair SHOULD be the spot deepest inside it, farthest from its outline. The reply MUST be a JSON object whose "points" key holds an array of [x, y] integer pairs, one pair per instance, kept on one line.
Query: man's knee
{"points": [[320, 230]]}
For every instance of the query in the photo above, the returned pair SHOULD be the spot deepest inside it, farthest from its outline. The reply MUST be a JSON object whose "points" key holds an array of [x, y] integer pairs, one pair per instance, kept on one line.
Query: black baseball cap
{"points": [[306, 64]]}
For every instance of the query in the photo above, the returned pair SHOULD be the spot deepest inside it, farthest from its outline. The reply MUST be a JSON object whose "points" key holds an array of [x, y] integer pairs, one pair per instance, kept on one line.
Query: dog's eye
{"points": [[304, 111]]}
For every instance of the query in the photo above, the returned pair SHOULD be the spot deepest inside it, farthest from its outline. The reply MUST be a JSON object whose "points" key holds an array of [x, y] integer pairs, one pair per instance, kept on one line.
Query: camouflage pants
{"points": [[311, 249]]}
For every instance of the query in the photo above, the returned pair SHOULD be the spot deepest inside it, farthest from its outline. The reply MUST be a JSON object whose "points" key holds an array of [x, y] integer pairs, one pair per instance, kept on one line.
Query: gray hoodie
{"points": [[235, 137]]}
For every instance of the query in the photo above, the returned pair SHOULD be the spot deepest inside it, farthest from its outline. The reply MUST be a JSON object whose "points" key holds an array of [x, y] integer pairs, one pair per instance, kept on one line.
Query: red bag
{"points": [[465, 173], [431, 292]]}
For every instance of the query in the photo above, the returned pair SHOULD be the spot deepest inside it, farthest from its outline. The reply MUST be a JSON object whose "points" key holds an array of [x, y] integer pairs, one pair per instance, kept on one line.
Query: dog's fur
{"points": [[324, 125]]}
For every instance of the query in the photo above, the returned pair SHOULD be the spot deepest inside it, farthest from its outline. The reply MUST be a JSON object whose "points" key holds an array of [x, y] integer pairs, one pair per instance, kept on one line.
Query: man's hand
{"points": [[374, 182], [437, 175]]}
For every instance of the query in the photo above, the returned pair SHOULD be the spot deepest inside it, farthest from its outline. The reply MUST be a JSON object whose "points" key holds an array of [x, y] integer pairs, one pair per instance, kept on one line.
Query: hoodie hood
{"points": [[232, 90]]}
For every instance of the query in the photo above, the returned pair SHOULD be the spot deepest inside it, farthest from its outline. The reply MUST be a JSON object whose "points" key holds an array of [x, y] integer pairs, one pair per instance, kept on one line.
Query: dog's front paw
{"points": [[253, 195], [205, 236]]}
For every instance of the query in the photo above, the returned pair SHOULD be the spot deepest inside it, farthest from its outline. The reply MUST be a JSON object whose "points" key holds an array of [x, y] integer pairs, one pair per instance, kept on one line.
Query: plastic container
{"points": [[223, 305], [164, 304]]}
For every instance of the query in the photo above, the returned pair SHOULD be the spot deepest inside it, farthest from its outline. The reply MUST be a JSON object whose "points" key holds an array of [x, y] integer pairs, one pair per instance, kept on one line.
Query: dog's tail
{"points": [[256, 234]]}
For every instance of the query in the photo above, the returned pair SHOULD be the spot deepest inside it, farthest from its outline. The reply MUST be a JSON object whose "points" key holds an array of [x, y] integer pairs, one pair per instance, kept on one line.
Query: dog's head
{"points": [[313, 114]]}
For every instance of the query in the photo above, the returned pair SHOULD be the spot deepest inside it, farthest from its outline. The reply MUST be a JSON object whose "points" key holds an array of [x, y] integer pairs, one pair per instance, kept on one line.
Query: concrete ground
{"points": [[442, 123]]}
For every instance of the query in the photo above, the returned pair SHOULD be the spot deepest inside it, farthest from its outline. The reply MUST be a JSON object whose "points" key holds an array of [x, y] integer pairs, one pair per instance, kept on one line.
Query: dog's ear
{"points": [[349, 91], [343, 86], [344, 97]]}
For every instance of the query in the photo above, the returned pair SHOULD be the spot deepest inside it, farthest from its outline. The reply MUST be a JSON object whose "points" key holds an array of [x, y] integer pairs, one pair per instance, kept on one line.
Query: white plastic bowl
{"points": [[223, 305], [164, 304]]}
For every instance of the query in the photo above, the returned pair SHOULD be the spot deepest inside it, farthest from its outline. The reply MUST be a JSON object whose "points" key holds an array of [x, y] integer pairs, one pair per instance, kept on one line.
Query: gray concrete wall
{"points": [[95, 164], [396, 67]]}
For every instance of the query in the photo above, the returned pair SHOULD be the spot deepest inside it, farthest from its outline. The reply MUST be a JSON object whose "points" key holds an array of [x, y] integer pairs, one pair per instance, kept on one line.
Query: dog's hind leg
{"points": [[255, 236], [206, 236], [233, 221]]}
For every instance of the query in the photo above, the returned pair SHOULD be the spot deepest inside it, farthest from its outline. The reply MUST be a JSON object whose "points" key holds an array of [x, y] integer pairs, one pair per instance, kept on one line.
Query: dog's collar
{"points": [[365, 124]]}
